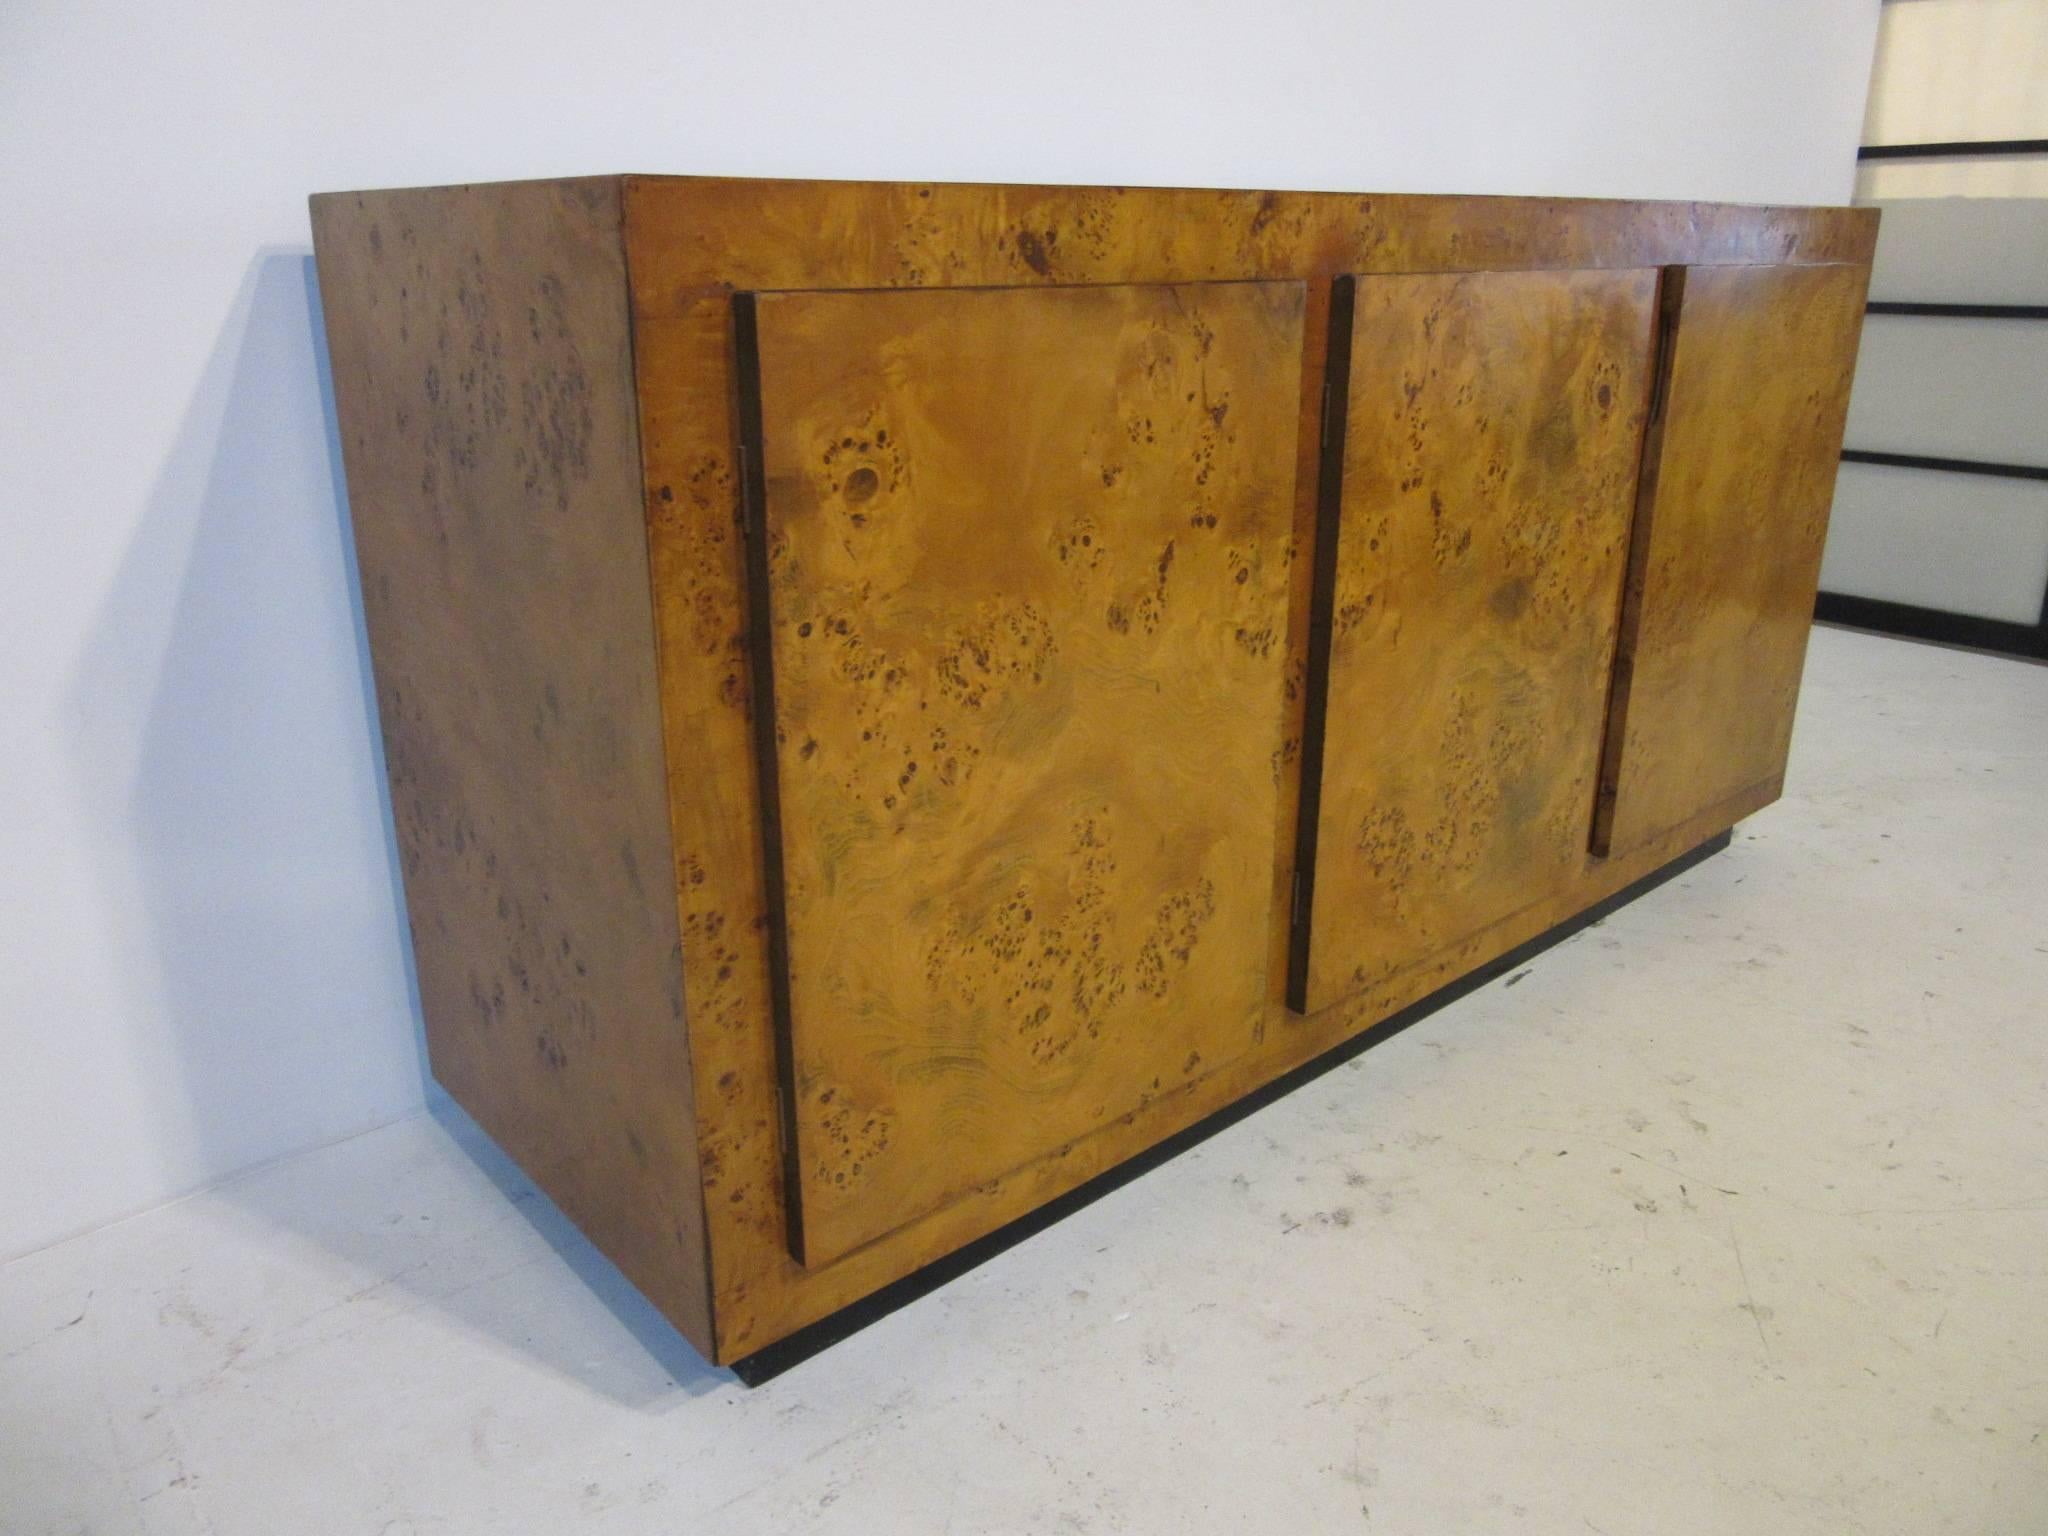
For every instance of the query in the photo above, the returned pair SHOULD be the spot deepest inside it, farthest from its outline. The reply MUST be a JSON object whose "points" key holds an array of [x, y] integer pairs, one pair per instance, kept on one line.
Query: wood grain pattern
{"points": [[1728, 544], [1028, 572], [1494, 425], [690, 242], [483, 380]]}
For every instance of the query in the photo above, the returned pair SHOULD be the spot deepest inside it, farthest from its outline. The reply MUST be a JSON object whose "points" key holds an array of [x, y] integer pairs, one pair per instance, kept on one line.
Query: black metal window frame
{"points": [[1954, 149]]}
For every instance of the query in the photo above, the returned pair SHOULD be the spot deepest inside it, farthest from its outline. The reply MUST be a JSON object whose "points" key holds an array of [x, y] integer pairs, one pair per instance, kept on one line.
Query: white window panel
{"points": [[1959, 69], [1959, 389], [1966, 544], [1963, 250]]}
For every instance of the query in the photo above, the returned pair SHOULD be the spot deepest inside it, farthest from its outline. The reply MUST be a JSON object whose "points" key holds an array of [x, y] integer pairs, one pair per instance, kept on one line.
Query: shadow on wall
{"points": [[221, 708], [226, 706]]}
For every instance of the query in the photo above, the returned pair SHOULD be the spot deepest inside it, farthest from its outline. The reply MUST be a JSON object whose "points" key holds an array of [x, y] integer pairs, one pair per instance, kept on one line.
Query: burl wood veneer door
{"points": [[1739, 476], [1468, 597], [1021, 588]]}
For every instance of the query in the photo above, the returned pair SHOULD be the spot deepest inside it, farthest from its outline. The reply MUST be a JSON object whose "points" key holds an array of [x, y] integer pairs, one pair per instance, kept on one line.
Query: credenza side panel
{"points": [[483, 384]]}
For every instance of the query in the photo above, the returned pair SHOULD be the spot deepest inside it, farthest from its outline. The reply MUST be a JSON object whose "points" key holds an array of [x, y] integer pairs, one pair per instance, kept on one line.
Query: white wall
{"points": [[201, 960]]}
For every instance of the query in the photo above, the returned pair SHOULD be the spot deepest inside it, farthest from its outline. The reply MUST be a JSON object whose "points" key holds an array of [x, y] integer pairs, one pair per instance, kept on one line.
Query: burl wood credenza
{"points": [[901, 698]]}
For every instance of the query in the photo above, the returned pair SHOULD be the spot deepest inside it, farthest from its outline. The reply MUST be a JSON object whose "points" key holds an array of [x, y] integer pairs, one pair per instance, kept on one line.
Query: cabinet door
{"points": [[1739, 475], [1020, 600], [1468, 594]]}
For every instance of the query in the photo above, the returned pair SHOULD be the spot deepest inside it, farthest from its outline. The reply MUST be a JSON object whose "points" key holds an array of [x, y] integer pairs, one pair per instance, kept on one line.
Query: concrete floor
{"points": [[1730, 1215]]}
